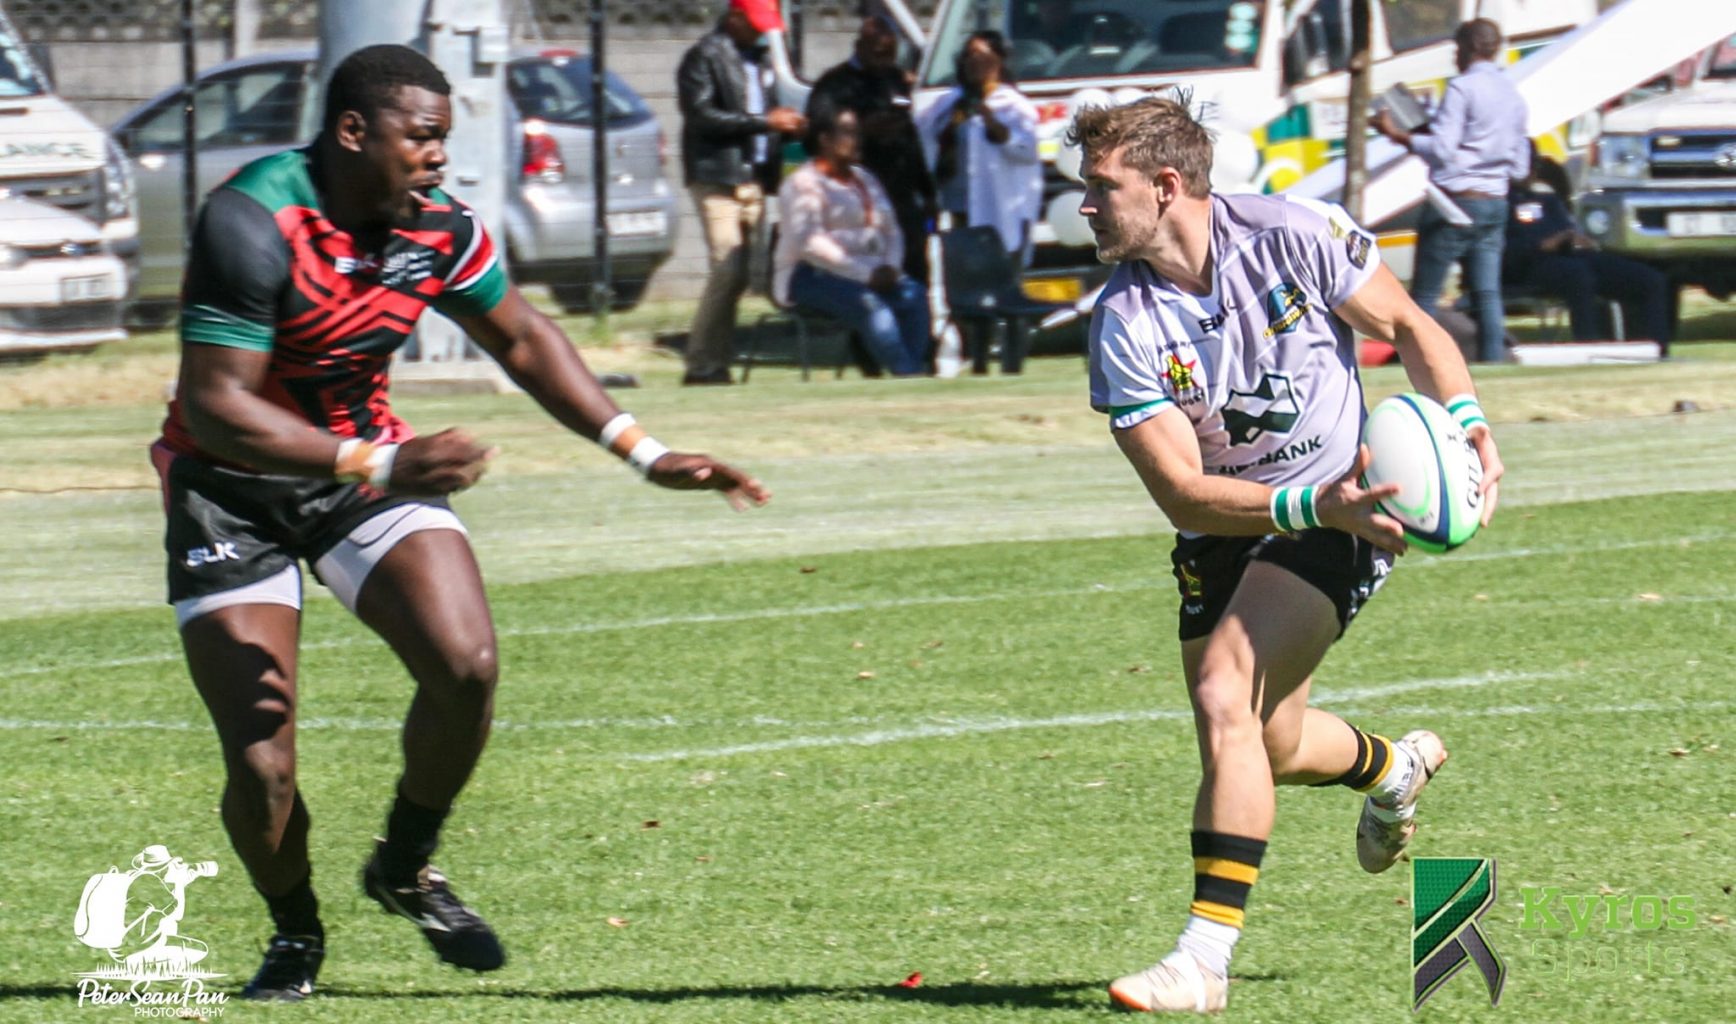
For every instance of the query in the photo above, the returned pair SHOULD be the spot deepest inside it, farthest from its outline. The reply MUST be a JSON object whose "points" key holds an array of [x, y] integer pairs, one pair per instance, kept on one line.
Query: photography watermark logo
{"points": [[135, 917], [1449, 896]]}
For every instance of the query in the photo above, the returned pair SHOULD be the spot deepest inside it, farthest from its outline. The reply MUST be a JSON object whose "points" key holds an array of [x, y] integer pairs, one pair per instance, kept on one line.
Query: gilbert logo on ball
{"points": [[1417, 444]]}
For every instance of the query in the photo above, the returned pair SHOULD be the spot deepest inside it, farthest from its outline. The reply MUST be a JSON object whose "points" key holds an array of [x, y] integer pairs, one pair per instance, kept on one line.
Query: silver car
{"points": [[255, 106]]}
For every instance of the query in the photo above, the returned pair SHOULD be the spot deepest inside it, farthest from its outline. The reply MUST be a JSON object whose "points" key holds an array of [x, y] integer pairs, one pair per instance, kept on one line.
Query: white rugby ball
{"points": [[1415, 443]]}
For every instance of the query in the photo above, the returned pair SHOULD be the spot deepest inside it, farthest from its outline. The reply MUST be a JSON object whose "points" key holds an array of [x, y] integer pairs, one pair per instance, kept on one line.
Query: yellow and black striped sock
{"points": [[1374, 759], [1225, 868]]}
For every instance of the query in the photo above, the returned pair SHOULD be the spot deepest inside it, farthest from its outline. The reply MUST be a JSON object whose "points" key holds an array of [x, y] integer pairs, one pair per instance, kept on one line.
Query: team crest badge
{"points": [[1180, 374]]}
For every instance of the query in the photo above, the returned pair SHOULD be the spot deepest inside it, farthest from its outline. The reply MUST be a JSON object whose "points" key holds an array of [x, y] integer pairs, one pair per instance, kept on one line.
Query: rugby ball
{"points": [[1415, 443]]}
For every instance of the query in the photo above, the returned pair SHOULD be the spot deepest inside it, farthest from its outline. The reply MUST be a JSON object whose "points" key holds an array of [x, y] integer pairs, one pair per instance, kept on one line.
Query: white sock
{"points": [[1210, 943]]}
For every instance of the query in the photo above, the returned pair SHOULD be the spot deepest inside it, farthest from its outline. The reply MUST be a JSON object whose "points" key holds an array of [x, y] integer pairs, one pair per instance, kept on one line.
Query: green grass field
{"points": [[921, 714]]}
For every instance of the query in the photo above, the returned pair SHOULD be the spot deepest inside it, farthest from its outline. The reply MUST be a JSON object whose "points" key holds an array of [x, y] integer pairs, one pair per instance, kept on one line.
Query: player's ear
{"points": [[350, 129]]}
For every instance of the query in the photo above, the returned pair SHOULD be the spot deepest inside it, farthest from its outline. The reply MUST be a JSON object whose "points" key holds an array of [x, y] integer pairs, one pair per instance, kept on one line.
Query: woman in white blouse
{"points": [[980, 138], [839, 248]]}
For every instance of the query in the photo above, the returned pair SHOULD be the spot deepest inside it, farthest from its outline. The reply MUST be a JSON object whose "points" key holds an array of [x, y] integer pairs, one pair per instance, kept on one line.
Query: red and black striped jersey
{"points": [[268, 271]]}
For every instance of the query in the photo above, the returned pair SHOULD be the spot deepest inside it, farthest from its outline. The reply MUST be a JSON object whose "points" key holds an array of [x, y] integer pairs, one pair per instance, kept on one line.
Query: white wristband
{"points": [[380, 465], [646, 452], [615, 428]]}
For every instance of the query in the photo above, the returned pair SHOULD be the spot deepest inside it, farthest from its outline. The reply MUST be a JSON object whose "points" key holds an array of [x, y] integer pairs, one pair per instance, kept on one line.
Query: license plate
{"points": [[1701, 224], [87, 289], [645, 222], [1055, 289]]}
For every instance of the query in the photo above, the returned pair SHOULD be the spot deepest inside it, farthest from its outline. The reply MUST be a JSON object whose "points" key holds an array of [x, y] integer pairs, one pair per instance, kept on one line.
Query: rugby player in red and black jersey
{"points": [[308, 270]]}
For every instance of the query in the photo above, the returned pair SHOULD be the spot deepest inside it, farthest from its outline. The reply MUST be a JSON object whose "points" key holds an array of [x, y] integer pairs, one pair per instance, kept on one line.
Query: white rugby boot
{"points": [[1379, 842], [1175, 984]]}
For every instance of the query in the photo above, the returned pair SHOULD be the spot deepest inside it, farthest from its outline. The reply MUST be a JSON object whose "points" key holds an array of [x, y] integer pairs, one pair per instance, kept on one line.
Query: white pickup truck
{"points": [[1662, 178]]}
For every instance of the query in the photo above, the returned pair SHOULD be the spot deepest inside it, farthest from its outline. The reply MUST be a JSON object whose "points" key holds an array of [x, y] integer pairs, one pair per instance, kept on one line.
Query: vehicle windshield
{"points": [[1723, 63], [558, 89], [17, 74], [1056, 39]]}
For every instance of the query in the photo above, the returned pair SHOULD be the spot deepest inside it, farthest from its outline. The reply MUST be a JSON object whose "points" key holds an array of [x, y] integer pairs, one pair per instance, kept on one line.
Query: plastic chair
{"points": [[982, 290]]}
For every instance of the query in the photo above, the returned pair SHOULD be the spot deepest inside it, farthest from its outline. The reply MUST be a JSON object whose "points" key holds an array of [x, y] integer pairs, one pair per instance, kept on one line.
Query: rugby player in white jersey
{"points": [[1221, 350]]}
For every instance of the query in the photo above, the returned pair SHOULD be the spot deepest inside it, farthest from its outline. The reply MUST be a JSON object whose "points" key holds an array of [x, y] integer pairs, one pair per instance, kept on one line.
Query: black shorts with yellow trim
{"points": [[1346, 568]]}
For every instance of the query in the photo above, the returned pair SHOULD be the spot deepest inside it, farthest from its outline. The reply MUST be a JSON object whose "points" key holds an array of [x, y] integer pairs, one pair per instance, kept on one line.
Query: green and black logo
{"points": [[1449, 895]]}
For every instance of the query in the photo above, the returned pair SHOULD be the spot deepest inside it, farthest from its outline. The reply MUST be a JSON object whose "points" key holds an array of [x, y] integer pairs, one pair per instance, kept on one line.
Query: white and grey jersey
{"points": [[1261, 366]]}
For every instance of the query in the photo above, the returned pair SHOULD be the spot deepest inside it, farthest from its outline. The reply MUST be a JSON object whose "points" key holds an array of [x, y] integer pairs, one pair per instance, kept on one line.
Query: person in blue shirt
{"points": [[1474, 146], [1547, 251]]}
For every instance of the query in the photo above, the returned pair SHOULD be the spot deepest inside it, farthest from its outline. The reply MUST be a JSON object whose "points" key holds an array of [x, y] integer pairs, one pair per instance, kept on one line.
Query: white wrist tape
{"points": [[379, 465], [1292, 509], [646, 452], [615, 428]]}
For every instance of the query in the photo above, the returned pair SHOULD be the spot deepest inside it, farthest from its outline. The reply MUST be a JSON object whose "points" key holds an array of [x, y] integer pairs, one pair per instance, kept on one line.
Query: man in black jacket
{"points": [[729, 156], [872, 85]]}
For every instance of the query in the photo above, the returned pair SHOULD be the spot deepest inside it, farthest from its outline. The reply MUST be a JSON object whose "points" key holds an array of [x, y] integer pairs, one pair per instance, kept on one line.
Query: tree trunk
{"points": [[1356, 119]]}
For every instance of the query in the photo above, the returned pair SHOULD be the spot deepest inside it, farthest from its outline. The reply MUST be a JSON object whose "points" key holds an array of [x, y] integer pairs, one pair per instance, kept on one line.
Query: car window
{"points": [[1723, 64], [1416, 23], [255, 107], [558, 89], [16, 75]]}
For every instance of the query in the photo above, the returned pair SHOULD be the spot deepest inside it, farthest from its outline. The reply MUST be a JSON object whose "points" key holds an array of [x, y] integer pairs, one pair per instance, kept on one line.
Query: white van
{"points": [[67, 225], [1271, 72]]}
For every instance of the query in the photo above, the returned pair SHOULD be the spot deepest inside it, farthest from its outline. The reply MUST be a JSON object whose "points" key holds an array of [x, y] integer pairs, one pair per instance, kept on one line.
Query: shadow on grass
{"points": [[1049, 995]]}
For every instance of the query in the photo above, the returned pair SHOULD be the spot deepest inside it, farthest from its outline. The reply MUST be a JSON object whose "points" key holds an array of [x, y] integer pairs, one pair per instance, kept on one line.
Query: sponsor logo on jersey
{"points": [[1208, 324], [398, 268], [1191, 585], [1285, 308], [1289, 453], [1270, 408]]}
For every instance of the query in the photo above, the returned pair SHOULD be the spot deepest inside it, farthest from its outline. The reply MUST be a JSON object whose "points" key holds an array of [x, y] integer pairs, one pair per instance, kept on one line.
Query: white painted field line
{"points": [[1158, 583], [967, 727]]}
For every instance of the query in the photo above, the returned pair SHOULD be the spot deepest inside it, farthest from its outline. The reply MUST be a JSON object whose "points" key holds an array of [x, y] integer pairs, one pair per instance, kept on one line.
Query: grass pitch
{"points": [[920, 715]]}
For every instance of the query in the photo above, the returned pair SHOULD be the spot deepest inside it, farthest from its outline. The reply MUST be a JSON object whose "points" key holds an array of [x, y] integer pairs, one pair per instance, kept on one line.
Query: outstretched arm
{"points": [[539, 358]]}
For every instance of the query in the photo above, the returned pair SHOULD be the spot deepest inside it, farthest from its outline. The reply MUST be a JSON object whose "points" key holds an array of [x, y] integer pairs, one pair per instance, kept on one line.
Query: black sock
{"points": [[296, 912], [412, 833]]}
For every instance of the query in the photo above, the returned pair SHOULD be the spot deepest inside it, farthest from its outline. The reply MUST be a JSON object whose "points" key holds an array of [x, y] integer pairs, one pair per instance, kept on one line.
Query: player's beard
{"points": [[1126, 237]]}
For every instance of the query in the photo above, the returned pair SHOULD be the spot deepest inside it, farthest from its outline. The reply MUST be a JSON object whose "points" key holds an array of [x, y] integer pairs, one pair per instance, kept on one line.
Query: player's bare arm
{"points": [[1382, 309], [1165, 453], [220, 395], [537, 355]]}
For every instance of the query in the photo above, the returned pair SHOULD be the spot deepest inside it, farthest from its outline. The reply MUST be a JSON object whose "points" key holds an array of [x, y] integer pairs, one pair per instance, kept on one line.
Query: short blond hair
{"points": [[1152, 133]]}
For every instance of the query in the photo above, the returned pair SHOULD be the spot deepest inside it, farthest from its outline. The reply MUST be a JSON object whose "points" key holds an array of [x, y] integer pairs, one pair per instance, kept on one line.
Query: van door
{"points": [[240, 116]]}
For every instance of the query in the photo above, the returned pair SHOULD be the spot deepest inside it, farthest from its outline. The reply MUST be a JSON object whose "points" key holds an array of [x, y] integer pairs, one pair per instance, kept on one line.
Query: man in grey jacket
{"points": [[729, 157]]}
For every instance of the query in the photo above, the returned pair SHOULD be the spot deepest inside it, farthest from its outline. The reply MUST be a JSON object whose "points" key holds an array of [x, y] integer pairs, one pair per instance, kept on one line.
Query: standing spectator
{"points": [[840, 246], [980, 138], [729, 158], [1474, 145], [877, 90], [1547, 251]]}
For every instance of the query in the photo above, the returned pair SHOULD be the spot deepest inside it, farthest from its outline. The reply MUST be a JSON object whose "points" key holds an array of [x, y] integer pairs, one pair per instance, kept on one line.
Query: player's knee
{"points": [[470, 671], [1222, 704], [266, 771]]}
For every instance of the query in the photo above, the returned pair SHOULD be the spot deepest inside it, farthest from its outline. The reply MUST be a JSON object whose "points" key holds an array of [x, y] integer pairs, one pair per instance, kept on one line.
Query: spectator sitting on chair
{"points": [[877, 90], [839, 247], [1546, 251]]}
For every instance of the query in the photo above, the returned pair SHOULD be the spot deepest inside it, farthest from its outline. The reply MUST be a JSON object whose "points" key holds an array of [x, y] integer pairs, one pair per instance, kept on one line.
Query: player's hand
{"points": [[1484, 440], [680, 471], [1346, 505], [438, 464], [885, 278]]}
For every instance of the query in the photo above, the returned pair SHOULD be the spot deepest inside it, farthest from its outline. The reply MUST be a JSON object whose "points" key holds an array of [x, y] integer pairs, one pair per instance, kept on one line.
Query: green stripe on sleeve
{"points": [[478, 299], [208, 325], [1118, 411]]}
